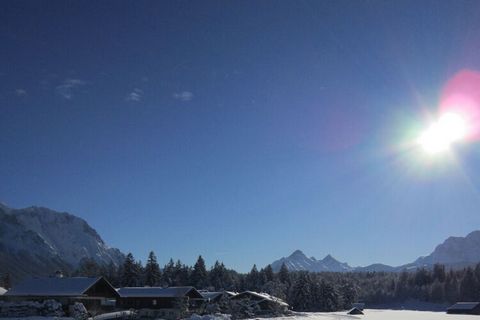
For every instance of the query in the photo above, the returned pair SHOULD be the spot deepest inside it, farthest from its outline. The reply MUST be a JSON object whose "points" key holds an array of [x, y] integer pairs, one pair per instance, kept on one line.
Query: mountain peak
{"points": [[298, 253], [329, 257]]}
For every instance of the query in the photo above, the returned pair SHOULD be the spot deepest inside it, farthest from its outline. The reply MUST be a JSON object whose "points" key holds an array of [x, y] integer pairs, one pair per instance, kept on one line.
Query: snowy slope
{"points": [[39, 241]]}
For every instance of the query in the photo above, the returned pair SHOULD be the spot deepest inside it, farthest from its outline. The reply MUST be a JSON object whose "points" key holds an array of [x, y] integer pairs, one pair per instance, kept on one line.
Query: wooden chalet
{"points": [[94, 293], [169, 302]]}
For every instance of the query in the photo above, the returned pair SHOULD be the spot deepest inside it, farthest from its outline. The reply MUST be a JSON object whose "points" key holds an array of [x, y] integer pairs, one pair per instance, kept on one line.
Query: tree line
{"points": [[303, 291]]}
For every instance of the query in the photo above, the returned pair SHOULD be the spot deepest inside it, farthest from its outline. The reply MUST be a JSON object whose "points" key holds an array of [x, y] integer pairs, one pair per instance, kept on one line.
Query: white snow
{"points": [[218, 316], [40, 318], [371, 314]]}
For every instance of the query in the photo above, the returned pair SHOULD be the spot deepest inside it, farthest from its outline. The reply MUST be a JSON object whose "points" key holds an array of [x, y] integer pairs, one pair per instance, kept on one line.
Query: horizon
{"points": [[210, 264], [245, 131]]}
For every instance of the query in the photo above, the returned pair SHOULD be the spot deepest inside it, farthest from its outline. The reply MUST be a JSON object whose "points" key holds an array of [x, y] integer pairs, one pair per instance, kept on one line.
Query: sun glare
{"points": [[449, 128]]}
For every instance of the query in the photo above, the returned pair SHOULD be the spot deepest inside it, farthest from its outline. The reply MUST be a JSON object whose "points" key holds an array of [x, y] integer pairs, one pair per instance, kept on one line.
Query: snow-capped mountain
{"points": [[298, 261], [39, 241], [455, 252]]}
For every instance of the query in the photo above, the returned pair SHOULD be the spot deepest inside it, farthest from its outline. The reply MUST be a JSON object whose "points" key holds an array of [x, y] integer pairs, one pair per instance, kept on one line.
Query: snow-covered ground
{"points": [[39, 318], [375, 314]]}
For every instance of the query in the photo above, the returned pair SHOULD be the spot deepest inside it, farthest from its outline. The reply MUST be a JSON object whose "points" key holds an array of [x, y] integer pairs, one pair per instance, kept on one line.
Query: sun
{"points": [[438, 138]]}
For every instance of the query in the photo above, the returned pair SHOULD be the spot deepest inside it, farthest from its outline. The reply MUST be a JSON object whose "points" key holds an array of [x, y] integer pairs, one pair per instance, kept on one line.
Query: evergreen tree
{"points": [[152, 271], [168, 275], [439, 272], [451, 288], [348, 294], [468, 286], [283, 274], [199, 277], [130, 276], [252, 280], [301, 293], [181, 274], [88, 267], [328, 297], [7, 283], [437, 292], [218, 276], [269, 273]]}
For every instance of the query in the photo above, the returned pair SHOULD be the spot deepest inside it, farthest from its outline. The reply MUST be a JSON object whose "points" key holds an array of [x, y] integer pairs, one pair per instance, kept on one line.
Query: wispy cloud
{"points": [[69, 87], [20, 92], [135, 96], [183, 96]]}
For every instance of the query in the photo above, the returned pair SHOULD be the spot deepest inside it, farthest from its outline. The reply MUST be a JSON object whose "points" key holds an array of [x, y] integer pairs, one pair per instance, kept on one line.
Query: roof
{"points": [[53, 287], [464, 306], [157, 292], [214, 294], [211, 295], [355, 311], [2, 291], [260, 297]]}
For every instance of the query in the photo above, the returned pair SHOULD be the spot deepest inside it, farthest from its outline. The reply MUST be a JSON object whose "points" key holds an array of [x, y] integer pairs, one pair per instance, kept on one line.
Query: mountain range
{"points": [[455, 252], [36, 241]]}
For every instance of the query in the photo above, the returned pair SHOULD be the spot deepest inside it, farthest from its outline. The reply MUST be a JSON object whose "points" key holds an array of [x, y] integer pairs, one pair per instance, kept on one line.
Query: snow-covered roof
{"points": [[53, 287], [158, 292], [211, 295], [2, 290], [260, 297], [464, 305]]}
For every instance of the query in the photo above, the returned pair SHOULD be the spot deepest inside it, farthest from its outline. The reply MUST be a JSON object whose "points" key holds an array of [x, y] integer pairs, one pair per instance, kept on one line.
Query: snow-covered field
{"points": [[374, 314], [370, 314]]}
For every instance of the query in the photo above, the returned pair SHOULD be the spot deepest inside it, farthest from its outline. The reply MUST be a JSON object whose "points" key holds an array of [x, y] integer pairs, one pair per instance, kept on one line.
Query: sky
{"points": [[239, 130]]}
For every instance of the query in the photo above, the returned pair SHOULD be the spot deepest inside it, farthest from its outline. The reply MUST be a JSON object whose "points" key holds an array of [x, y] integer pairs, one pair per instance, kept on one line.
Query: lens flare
{"points": [[459, 114], [449, 128]]}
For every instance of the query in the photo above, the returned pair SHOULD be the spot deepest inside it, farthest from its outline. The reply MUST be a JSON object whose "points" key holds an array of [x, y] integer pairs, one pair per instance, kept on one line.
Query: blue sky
{"points": [[238, 130]]}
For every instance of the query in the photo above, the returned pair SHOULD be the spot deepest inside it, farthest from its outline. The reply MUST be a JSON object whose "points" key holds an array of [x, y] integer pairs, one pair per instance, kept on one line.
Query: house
{"points": [[216, 302], [355, 311], [264, 302], [94, 293], [171, 302], [216, 297], [464, 308]]}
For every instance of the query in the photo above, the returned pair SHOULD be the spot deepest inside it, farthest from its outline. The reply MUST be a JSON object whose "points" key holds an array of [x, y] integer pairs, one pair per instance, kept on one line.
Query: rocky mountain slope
{"points": [[38, 241]]}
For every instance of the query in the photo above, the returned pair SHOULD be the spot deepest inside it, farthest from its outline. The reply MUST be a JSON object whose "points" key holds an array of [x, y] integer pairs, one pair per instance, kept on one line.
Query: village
{"points": [[95, 298], [84, 297]]}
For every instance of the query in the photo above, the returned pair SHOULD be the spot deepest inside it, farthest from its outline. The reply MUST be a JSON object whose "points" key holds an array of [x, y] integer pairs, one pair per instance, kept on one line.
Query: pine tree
{"points": [[301, 293], [181, 274], [218, 276], [468, 286], [283, 274], [269, 273], [199, 277], [130, 275], [88, 267], [152, 271], [7, 284], [168, 275], [252, 279]]}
